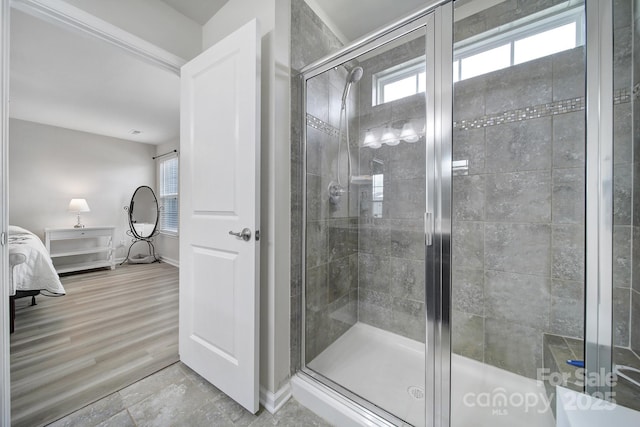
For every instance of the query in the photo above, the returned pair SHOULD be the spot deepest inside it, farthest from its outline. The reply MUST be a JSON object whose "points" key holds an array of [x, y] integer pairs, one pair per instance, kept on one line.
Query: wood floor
{"points": [[113, 328]]}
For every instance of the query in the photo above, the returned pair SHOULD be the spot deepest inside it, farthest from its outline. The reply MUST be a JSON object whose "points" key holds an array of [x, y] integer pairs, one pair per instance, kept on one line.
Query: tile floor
{"points": [[177, 396]]}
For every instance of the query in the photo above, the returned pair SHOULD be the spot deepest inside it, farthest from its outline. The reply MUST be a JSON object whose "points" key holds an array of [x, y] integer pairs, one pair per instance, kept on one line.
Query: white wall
{"points": [[273, 19], [151, 20], [48, 166], [168, 247], [236, 13]]}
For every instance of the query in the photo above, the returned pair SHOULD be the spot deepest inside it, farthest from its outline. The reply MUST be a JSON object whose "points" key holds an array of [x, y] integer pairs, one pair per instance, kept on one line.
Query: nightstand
{"points": [[76, 249]]}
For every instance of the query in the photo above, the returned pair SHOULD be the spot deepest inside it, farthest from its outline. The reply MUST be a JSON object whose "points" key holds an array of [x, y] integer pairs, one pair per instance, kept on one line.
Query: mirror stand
{"points": [[143, 213], [141, 258]]}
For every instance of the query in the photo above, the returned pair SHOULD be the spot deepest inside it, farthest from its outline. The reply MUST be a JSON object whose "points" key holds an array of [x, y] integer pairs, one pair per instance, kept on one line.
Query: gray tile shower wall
{"points": [[635, 233], [391, 252], [503, 13], [518, 217], [331, 236], [623, 176], [518, 225]]}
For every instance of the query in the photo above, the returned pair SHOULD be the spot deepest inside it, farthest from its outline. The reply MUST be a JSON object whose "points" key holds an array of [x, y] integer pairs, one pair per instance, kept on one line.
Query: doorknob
{"points": [[245, 234]]}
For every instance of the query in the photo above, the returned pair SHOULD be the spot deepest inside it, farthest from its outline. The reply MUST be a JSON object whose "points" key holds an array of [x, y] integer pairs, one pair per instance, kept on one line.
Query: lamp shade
{"points": [[408, 133], [389, 136], [371, 139], [78, 205]]}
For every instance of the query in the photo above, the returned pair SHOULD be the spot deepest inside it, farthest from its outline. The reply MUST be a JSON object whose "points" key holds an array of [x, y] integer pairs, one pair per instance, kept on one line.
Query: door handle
{"points": [[428, 228], [245, 234]]}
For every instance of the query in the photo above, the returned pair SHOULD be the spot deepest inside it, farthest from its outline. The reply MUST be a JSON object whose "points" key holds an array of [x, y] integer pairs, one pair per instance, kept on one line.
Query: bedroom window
{"points": [[168, 173]]}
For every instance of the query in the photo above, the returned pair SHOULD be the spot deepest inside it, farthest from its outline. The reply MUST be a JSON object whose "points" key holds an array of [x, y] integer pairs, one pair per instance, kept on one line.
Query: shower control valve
{"points": [[335, 192]]}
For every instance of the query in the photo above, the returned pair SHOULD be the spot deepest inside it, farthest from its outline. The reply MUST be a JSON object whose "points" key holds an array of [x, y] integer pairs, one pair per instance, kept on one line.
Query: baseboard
{"points": [[274, 401], [170, 261]]}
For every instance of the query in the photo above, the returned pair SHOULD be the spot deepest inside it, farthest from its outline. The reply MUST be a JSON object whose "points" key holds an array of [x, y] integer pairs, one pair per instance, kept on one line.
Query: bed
{"points": [[31, 269]]}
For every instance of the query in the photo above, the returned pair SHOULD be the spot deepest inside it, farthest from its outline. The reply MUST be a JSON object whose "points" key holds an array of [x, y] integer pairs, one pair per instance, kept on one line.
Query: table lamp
{"points": [[76, 206]]}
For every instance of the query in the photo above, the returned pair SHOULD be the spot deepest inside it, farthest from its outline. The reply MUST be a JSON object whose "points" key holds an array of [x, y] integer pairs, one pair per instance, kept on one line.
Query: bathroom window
{"points": [[400, 81], [168, 174], [553, 30]]}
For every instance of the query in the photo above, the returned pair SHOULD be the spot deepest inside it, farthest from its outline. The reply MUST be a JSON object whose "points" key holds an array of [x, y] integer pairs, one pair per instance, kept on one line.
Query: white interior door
{"points": [[219, 194]]}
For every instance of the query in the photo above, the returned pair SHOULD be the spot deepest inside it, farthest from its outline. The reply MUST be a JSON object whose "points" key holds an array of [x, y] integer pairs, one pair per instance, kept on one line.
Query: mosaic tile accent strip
{"points": [[322, 126], [521, 114], [620, 96]]}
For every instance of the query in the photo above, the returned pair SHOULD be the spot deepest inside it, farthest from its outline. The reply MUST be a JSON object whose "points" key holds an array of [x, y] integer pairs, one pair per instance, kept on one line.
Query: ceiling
{"points": [[72, 80], [198, 10], [352, 19], [76, 81]]}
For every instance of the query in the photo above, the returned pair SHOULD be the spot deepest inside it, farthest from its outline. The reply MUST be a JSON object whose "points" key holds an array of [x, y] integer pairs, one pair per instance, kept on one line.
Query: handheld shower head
{"points": [[354, 76]]}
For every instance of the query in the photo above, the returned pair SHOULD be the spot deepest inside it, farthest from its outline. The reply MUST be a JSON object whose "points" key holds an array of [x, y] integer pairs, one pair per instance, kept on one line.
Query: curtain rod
{"points": [[165, 154]]}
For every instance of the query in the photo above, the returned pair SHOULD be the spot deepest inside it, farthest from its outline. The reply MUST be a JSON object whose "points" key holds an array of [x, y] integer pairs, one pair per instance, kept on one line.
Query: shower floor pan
{"points": [[388, 370]]}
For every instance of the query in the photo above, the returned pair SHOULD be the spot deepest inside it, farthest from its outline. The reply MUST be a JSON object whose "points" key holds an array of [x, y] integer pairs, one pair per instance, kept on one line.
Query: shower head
{"points": [[354, 76]]}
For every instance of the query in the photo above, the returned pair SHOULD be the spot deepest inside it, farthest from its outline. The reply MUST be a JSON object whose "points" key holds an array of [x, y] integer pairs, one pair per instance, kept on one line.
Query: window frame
{"points": [[508, 34], [412, 68], [163, 196], [539, 23]]}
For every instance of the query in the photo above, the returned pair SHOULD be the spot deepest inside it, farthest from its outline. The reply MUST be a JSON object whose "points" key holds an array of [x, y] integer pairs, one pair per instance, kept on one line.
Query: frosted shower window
{"points": [[485, 62], [545, 43], [530, 38], [399, 81]]}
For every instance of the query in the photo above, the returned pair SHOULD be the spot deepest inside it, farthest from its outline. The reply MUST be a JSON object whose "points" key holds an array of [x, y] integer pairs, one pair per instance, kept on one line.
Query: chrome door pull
{"points": [[245, 234], [428, 228]]}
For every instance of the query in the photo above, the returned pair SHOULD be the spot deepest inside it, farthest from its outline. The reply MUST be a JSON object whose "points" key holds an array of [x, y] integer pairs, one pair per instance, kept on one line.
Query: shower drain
{"points": [[416, 392]]}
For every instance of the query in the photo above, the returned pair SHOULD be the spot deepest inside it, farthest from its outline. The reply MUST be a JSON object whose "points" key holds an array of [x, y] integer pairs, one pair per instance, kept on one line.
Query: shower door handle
{"points": [[428, 228], [245, 234]]}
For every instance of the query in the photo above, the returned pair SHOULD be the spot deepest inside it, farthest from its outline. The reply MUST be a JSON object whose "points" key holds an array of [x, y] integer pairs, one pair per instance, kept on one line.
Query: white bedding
{"points": [[37, 272]]}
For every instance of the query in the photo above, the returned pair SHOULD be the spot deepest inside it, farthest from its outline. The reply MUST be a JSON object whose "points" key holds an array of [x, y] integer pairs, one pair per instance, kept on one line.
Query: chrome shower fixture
{"points": [[336, 190], [354, 76]]}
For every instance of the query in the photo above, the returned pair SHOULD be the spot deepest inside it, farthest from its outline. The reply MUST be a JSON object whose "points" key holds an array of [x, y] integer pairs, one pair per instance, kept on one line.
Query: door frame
{"points": [[439, 140], [75, 19], [5, 367]]}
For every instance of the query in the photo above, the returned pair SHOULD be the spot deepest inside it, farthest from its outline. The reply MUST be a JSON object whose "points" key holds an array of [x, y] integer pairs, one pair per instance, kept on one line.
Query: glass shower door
{"points": [[518, 215], [364, 275]]}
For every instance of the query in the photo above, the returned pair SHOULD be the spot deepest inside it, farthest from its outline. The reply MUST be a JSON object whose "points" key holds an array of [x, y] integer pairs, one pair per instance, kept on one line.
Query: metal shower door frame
{"points": [[439, 182], [437, 19], [598, 331]]}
